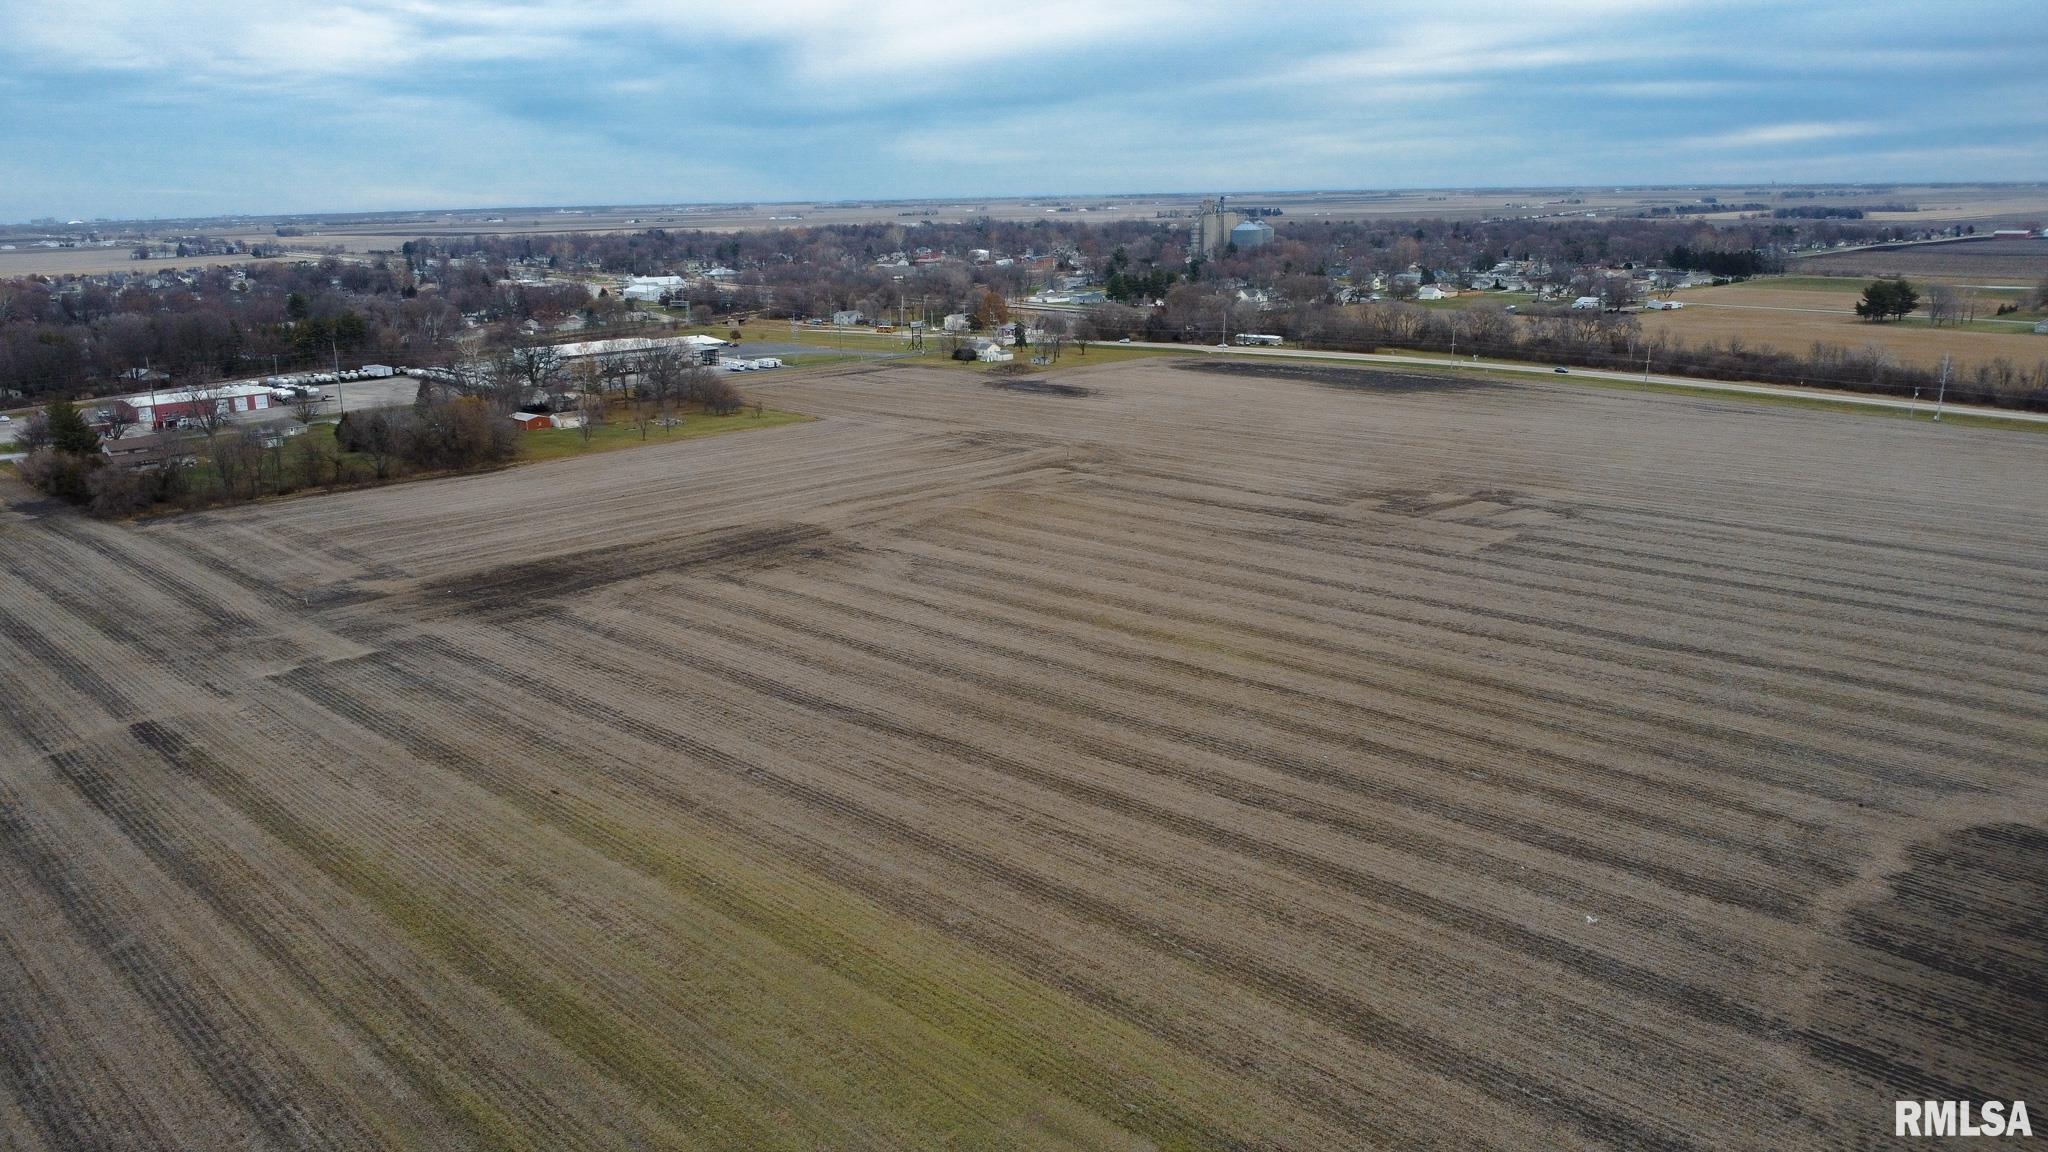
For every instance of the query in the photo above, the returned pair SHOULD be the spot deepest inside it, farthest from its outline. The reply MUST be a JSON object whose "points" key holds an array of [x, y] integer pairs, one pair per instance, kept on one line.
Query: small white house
{"points": [[651, 288], [1586, 304], [847, 317], [1432, 292], [957, 322], [991, 352]]}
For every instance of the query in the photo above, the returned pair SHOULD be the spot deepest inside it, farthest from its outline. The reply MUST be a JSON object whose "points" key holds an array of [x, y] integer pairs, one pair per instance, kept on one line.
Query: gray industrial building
{"points": [[1211, 230], [1251, 234]]}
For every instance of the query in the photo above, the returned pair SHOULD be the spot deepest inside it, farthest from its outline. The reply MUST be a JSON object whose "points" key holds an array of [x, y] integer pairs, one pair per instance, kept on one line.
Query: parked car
{"points": [[1561, 370], [1125, 340]]}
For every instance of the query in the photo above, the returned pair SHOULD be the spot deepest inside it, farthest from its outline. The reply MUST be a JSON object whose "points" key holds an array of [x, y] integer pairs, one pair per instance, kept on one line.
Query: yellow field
{"points": [[97, 261], [1792, 318]]}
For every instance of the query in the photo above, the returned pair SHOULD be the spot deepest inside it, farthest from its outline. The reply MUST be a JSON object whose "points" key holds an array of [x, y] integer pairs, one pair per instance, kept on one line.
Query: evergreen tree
{"points": [[68, 430], [1890, 298]]}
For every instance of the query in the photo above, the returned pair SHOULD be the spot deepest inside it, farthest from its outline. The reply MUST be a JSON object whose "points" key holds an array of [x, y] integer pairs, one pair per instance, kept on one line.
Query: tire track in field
{"points": [[1539, 626], [345, 702], [1356, 1020], [76, 674], [493, 971], [1937, 589], [1223, 705], [1344, 530], [1888, 773], [276, 931], [1682, 754], [185, 999], [61, 1087], [1753, 897], [1896, 604], [1778, 904]]}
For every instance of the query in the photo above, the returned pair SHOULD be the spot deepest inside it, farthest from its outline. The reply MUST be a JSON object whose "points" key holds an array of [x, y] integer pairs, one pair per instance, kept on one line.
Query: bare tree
{"points": [[662, 373], [34, 433], [1617, 291], [211, 405], [474, 374], [539, 367], [237, 460], [119, 419], [1942, 306]]}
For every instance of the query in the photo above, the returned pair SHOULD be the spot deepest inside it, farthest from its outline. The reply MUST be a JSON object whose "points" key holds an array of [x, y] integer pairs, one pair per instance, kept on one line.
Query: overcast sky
{"points": [[120, 108]]}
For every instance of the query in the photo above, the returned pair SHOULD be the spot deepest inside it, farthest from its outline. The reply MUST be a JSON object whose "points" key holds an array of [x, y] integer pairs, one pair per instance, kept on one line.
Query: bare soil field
{"points": [[2017, 262], [1793, 319], [95, 261], [1175, 759]]}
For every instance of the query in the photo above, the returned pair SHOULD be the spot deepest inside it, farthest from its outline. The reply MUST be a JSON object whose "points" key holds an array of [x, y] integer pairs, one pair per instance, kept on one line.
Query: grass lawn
{"points": [[1853, 285], [1475, 297], [558, 443]]}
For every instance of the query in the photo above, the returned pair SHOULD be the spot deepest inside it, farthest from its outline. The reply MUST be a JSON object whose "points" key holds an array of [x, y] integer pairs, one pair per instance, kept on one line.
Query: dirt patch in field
{"points": [[1961, 928], [1365, 379], [513, 588], [1040, 387]]}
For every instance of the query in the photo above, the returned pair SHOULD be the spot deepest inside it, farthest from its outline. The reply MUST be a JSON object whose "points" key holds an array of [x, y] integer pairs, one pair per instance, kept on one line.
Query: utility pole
{"points": [[1938, 396], [1646, 363]]}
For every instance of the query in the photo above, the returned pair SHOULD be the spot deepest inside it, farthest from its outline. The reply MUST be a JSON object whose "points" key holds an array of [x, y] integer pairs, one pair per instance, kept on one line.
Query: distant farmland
{"points": [[1169, 759], [1793, 313], [2020, 262]]}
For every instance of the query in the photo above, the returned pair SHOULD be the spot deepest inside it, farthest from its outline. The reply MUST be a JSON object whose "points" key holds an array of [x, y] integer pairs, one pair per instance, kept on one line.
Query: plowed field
{"points": [[1163, 759]]}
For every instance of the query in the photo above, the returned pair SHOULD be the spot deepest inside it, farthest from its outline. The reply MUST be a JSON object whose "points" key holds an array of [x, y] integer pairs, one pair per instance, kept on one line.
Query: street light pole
{"points": [[340, 397]]}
